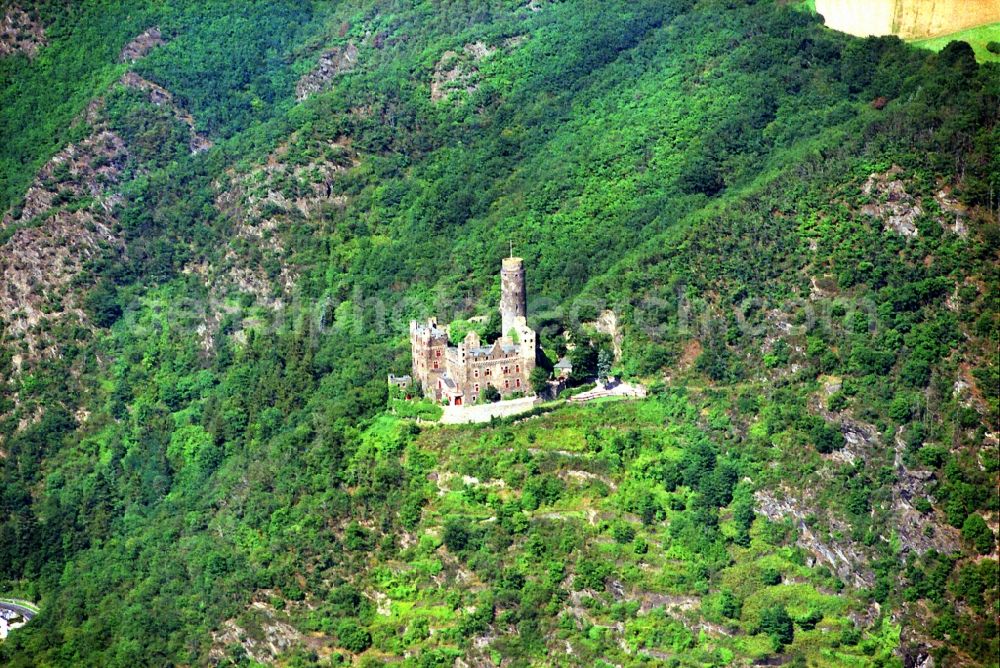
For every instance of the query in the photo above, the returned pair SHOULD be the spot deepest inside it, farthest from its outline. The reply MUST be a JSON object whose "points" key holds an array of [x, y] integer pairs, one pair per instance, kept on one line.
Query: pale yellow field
{"points": [[909, 19]]}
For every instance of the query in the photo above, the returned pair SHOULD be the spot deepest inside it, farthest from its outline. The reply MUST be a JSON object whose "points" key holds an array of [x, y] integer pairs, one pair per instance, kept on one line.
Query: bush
{"points": [[808, 621], [489, 395], [993, 47], [770, 576], [456, 535], [591, 575], [975, 531], [352, 637], [622, 533]]}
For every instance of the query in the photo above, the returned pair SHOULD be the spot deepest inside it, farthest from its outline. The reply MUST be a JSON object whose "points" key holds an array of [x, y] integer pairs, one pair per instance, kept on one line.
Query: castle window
{"points": [[435, 364], [506, 369], [477, 388], [517, 382], [517, 368], [437, 353], [506, 384], [486, 372], [476, 373]]}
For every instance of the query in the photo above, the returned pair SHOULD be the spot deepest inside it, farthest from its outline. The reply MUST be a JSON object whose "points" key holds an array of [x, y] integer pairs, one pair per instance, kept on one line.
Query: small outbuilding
{"points": [[563, 368]]}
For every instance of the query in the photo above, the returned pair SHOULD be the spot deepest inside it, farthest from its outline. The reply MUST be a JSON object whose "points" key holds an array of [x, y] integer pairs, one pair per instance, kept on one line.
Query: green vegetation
{"points": [[980, 39], [214, 457]]}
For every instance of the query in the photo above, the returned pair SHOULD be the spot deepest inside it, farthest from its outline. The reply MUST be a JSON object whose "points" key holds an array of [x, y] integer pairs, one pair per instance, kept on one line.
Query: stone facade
{"points": [[460, 374]]}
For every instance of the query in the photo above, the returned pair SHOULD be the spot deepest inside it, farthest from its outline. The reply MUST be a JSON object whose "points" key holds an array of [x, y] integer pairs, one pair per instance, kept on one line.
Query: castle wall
{"points": [[429, 348], [508, 372]]}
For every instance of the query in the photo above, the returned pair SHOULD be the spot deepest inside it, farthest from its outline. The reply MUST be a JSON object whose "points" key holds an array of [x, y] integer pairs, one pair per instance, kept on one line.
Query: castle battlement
{"points": [[460, 373]]}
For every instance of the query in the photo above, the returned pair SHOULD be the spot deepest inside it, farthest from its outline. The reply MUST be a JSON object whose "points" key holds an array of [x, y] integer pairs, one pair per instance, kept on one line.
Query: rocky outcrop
{"points": [[263, 633], [20, 32], [140, 47], [65, 220], [898, 210], [262, 203], [918, 531], [607, 323], [162, 97], [892, 204], [842, 557], [458, 71], [332, 63], [85, 169]]}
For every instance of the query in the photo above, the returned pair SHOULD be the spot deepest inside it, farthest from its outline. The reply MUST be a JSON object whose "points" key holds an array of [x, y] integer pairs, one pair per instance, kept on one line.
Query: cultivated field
{"points": [[909, 19]]}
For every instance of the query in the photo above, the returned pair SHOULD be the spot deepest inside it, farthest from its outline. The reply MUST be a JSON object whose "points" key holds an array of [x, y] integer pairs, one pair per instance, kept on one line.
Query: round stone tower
{"points": [[513, 302]]}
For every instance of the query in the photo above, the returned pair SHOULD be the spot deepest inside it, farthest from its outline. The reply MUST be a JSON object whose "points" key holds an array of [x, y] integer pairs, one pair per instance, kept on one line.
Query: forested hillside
{"points": [[219, 218]]}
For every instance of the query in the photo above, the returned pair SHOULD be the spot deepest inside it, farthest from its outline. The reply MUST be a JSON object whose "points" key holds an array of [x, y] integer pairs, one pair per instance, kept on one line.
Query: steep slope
{"points": [[796, 230]]}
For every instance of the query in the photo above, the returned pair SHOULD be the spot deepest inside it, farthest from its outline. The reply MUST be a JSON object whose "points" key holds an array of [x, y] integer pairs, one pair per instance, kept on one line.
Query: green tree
{"points": [[777, 623], [978, 533], [539, 380], [489, 395], [604, 362], [353, 637]]}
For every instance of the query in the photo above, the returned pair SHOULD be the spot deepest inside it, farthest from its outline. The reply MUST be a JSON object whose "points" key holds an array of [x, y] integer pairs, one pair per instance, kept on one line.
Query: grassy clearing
{"points": [[977, 38]]}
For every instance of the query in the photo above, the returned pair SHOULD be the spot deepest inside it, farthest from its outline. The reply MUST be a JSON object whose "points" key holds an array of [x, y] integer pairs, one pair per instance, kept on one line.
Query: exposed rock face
{"points": [[458, 72], [160, 96], [843, 558], [263, 635], [261, 204], [332, 63], [898, 210], [66, 219], [139, 47], [79, 170], [951, 207], [918, 532], [42, 257], [20, 33], [607, 323], [893, 205]]}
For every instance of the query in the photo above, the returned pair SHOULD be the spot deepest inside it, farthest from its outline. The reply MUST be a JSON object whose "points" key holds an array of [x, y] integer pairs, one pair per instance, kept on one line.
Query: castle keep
{"points": [[460, 374]]}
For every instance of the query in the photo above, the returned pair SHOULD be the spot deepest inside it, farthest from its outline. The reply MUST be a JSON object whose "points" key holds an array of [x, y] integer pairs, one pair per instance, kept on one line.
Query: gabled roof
{"points": [[564, 363], [490, 349]]}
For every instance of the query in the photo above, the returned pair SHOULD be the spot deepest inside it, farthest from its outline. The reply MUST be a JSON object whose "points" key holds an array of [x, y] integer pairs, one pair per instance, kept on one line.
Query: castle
{"points": [[458, 375]]}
